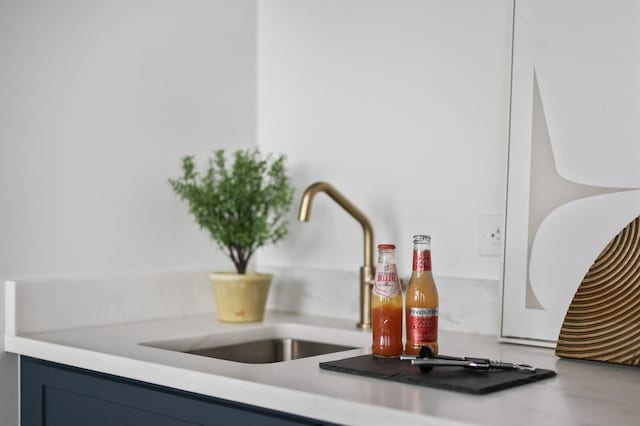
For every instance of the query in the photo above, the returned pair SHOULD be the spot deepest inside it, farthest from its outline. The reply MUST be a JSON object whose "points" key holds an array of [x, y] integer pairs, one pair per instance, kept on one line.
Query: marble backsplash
{"points": [[466, 305]]}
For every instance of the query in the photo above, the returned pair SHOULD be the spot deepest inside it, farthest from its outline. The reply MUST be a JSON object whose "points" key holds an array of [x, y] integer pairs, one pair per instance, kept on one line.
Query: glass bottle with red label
{"points": [[386, 305], [421, 300]]}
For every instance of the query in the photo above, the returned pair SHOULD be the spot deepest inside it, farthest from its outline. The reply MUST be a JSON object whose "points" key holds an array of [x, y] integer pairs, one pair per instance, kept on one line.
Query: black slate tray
{"points": [[450, 378]]}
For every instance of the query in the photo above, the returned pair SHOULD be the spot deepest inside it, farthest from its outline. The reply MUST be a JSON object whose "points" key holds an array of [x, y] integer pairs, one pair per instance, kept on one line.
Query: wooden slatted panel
{"points": [[603, 320]]}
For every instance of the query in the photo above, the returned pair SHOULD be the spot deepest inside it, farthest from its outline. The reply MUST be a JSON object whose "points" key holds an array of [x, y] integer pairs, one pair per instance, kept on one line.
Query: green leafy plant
{"points": [[242, 205]]}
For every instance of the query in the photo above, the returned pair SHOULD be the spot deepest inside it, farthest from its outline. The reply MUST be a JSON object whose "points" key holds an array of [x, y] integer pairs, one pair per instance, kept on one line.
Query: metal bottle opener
{"points": [[427, 361]]}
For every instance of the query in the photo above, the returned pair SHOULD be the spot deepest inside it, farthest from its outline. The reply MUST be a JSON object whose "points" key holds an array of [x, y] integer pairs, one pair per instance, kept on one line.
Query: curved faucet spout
{"points": [[367, 270]]}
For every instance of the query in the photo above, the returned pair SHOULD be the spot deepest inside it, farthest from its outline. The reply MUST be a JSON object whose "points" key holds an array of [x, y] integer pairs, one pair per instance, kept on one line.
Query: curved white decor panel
{"points": [[586, 56], [565, 246]]}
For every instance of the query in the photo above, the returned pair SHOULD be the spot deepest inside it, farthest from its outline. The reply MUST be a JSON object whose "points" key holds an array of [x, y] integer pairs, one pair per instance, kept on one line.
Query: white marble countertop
{"points": [[582, 393]]}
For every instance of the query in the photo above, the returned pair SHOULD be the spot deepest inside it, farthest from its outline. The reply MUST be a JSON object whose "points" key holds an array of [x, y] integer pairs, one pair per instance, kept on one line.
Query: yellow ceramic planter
{"points": [[240, 297]]}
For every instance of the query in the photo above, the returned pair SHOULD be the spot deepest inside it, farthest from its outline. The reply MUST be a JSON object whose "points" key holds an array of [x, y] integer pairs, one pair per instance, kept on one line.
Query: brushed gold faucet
{"points": [[367, 270]]}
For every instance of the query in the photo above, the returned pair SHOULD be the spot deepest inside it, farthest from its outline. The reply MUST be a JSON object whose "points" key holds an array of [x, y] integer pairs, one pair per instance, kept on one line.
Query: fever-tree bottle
{"points": [[421, 300]]}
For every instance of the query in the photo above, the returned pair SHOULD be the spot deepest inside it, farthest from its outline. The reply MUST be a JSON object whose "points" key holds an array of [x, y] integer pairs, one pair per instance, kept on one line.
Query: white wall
{"points": [[98, 102], [403, 106]]}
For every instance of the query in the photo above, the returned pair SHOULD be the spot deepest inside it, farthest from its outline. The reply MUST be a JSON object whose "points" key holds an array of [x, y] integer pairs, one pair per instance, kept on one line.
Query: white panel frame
{"points": [[518, 324]]}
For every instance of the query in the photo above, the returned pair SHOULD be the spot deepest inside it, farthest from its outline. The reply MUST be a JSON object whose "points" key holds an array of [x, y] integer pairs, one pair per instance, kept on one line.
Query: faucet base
{"points": [[366, 283]]}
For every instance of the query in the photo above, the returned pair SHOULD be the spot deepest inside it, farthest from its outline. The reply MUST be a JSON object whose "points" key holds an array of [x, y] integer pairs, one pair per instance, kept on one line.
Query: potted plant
{"points": [[242, 204]]}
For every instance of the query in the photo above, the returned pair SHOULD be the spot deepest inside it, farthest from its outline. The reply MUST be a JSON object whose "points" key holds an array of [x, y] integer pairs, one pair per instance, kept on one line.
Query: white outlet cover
{"points": [[490, 235]]}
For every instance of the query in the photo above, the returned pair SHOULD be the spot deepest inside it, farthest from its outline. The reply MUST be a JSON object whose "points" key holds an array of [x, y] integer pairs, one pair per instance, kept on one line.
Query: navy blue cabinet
{"points": [[58, 395]]}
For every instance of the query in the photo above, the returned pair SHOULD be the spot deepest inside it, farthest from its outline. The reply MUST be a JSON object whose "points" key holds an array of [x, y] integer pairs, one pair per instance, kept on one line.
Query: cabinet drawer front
{"points": [[59, 395], [63, 408]]}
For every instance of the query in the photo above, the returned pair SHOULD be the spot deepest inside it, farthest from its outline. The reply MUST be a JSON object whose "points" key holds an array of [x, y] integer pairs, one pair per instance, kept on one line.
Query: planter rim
{"points": [[234, 276]]}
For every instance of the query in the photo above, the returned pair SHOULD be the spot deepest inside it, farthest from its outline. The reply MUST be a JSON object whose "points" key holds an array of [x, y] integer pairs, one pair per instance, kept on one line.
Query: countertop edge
{"points": [[292, 401]]}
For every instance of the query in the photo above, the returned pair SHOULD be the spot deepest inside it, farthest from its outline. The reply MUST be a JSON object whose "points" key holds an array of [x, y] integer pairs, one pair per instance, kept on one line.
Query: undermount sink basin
{"points": [[270, 350], [268, 344]]}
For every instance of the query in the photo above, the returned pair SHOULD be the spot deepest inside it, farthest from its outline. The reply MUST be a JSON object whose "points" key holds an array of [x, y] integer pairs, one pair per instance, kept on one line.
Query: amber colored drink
{"points": [[387, 328], [421, 301]]}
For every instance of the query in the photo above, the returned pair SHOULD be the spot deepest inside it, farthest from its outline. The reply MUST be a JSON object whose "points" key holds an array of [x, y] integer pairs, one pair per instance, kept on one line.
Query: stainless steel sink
{"points": [[265, 344], [270, 350]]}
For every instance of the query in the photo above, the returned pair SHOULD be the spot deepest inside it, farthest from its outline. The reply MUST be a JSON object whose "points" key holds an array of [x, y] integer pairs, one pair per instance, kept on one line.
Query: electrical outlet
{"points": [[491, 235]]}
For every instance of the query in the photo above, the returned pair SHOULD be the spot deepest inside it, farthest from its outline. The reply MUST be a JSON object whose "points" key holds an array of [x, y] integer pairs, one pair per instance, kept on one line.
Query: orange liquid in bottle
{"points": [[387, 328], [386, 305]]}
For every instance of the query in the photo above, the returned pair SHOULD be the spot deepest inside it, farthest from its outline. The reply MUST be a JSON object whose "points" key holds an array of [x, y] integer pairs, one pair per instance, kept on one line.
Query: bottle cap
{"points": [[386, 246], [421, 238]]}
